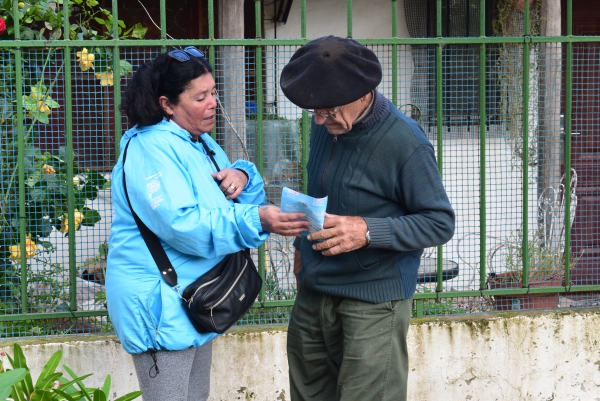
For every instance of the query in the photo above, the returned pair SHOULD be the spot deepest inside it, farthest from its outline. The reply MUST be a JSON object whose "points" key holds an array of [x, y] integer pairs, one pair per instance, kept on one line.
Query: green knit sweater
{"points": [[385, 171]]}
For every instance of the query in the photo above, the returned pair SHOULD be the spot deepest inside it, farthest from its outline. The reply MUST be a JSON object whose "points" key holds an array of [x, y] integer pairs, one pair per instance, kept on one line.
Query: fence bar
{"points": [[568, 128], [20, 165], [472, 40], [440, 123], [525, 240], [482, 149], [259, 133], [349, 16], [118, 127], [395, 53], [303, 19], [70, 191]]}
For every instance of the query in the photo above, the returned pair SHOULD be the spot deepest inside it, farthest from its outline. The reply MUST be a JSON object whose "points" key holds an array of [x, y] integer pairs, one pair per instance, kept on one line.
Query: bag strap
{"points": [[152, 242]]}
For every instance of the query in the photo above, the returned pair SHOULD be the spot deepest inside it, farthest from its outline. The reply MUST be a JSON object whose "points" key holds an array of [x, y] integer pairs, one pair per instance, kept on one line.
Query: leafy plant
{"points": [[51, 385], [439, 306], [509, 21], [56, 191]]}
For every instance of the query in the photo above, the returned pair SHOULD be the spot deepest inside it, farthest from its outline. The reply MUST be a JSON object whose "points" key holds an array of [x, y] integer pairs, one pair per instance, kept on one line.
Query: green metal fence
{"points": [[494, 96]]}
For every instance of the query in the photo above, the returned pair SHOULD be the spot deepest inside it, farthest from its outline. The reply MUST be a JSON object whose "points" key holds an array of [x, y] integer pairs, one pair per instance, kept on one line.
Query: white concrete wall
{"points": [[529, 356]]}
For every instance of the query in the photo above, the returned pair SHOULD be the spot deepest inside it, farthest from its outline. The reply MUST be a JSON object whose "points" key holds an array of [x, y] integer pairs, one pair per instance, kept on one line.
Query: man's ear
{"points": [[166, 105]]}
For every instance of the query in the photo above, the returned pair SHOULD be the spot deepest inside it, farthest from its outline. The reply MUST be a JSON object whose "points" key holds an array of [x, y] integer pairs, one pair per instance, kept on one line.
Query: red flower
{"points": [[2, 26]]}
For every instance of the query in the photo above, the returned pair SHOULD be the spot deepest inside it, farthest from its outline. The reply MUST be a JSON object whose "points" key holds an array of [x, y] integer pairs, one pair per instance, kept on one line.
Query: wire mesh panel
{"points": [[519, 160]]}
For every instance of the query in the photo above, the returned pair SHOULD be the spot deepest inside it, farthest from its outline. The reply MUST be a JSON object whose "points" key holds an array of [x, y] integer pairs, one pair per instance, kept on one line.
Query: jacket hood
{"points": [[164, 125]]}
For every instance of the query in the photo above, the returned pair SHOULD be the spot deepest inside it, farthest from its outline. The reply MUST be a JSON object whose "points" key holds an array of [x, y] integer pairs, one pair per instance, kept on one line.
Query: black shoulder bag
{"points": [[219, 298]]}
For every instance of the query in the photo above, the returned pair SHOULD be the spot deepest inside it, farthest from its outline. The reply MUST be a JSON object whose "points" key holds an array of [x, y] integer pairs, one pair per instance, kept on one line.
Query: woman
{"points": [[177, 192]]}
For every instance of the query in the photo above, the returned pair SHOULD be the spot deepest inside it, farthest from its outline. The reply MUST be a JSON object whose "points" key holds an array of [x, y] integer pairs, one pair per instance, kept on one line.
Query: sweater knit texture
{"points": [[385, 171]]}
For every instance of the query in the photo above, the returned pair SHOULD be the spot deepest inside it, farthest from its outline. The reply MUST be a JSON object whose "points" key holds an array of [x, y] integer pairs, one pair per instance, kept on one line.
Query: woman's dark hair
{"points": [[140, 99]]}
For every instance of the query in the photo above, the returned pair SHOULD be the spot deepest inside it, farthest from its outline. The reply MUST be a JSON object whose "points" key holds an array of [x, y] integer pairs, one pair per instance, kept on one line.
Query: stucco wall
{"points": [[527, 356]]}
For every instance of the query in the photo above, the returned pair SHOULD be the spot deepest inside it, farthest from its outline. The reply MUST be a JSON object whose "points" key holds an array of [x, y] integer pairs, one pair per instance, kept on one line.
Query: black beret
{"points": [[329, 72]]}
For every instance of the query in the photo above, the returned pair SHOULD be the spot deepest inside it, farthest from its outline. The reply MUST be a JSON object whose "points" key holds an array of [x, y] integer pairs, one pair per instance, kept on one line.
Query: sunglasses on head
{"points": [[184, 55], [180, 55]]}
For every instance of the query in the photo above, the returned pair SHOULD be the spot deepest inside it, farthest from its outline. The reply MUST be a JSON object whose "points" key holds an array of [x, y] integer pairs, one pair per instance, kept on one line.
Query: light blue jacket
{"points": [[173, 193]]}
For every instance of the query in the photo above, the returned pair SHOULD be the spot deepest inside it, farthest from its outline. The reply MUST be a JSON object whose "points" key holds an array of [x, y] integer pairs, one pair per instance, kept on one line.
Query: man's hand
{"points": [[340, 234]]}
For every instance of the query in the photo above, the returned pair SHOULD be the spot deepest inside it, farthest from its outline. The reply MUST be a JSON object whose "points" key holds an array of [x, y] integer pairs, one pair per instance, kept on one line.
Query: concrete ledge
{"points": [[539, 355]]}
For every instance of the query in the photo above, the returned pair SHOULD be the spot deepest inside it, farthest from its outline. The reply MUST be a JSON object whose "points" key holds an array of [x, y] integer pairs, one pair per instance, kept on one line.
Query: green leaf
{"points": [[139, 31], [50, 368], [91, 217], [95, 178], [42, 395], [91, 3], [106, 386], [8, 379], [20, 362], [69, 397], [99, 395], [130, 396], [46, 383], [99, 297], [126, 67], [79, 382], [100, 21]]}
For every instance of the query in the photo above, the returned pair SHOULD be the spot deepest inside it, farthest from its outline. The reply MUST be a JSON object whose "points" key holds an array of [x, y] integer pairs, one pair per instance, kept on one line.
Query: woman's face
{"points": [[197, 106]]}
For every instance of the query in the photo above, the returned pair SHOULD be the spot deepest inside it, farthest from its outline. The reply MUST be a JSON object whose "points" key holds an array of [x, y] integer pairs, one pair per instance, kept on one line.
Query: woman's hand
{"points": [[274, 221], [231, 181]]}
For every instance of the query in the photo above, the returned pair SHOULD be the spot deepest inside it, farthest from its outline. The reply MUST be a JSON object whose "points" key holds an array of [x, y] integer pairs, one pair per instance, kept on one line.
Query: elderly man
{"points": [[357, 276]]}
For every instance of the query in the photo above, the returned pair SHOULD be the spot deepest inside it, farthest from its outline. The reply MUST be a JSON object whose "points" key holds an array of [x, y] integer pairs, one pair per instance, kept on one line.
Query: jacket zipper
{"points": [[220, 301], [328, 162]]}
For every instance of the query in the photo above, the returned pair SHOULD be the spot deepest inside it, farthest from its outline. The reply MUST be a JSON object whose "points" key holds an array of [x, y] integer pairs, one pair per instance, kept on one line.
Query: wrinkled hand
{"points": [[274, 221], [340, 234], [231, 182]]}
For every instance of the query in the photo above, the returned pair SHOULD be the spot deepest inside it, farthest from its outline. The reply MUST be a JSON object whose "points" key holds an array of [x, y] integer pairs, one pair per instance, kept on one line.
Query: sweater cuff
{"points": [[380, 232]]}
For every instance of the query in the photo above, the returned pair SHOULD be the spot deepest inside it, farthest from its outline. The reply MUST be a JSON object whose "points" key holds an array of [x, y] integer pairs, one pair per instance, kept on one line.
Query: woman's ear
{"points": [[165, 105]]}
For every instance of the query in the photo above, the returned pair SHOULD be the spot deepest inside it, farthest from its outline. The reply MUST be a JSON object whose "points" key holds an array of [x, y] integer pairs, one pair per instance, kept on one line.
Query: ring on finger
{"points": [[233, 187]]}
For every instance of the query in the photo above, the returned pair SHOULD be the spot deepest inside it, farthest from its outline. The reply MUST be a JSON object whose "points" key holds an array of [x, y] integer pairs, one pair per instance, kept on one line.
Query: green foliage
{"points": [[44, 20], [439, 306], [265, 116], [51, 385], [56, 191], [271, 316]]}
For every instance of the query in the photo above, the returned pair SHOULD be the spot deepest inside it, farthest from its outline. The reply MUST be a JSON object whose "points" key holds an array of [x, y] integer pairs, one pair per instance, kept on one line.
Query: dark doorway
{"points": [[585, 129]]}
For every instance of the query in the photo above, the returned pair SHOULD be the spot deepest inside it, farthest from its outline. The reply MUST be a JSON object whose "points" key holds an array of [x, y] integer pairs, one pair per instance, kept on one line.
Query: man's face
{"points": [[344, 117]]}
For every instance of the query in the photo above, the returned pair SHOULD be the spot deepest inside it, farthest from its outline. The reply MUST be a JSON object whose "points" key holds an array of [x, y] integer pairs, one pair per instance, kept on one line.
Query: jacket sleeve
{"points": [[430, 218], [176, 197], [254, 191]]}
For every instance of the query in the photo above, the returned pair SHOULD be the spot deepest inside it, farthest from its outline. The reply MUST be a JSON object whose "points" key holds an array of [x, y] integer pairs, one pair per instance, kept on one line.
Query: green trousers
{"points": [[347, 350]]}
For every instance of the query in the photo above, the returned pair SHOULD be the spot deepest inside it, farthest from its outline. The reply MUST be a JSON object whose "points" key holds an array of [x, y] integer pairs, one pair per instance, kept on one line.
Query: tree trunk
{"points": [[231, 80], [550, 142]]}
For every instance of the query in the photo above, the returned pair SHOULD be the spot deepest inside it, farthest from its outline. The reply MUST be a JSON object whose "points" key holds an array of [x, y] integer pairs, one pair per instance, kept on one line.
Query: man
{"points": [[357, 276]]}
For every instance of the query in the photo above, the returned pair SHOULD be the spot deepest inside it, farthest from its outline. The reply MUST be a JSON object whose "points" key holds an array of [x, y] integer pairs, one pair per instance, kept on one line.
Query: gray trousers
{"points": [[348, 350], [175, 375]]}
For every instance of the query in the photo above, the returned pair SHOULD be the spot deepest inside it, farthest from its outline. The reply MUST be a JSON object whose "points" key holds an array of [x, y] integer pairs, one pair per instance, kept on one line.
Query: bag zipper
{"points": [[220, 301], [198, 289]]}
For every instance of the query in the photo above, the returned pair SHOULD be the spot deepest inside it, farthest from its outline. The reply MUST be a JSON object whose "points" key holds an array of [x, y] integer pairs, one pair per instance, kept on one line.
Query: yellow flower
{"points": [[43, 107], [48, 169], [65, 221], [85, 59], [106, 78], [76, 180], [30, 248]]}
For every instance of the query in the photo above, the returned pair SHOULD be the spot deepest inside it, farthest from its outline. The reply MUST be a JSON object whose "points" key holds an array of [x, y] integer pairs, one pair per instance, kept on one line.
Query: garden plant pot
{"points": [[524, 301]]}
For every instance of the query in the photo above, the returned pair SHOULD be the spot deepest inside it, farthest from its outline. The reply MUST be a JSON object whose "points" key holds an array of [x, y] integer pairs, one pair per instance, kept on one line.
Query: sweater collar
{"points": [[379, 109]]}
